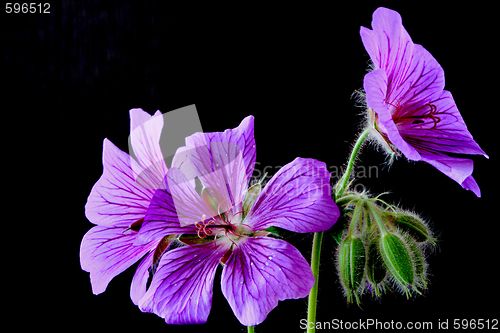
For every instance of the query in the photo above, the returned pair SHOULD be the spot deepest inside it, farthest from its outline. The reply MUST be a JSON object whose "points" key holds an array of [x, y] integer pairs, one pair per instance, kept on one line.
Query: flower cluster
{"points": [[381, 247], [185, 220]]}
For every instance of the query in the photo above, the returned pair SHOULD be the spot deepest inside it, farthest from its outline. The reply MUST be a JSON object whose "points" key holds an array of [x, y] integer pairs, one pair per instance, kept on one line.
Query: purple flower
{"points": [[225, 222], [118, 203], [409, 109]]}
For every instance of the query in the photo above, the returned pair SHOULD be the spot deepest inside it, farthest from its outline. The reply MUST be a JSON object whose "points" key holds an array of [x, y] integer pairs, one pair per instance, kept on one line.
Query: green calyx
{"points": [[398, 260], [351, 265], [378, 244], [414, 227], [375, 267]]}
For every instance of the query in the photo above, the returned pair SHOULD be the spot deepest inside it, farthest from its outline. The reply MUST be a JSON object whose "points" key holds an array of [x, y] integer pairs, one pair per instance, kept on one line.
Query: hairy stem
{"points": [[318, 236], [345, 178]]}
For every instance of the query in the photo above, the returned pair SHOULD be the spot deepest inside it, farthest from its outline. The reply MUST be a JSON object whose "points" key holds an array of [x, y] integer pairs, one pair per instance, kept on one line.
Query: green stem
{"points": [[313, 294], [345, 178], [251, 329], [376, 217], [355, 218], [318, 236]]}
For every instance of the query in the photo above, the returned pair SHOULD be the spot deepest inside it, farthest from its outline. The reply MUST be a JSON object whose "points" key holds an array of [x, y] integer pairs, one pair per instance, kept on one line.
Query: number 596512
{"points": [[25, 8]]}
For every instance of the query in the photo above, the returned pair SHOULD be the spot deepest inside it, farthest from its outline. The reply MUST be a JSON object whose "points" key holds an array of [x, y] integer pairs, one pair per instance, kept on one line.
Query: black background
{"points": [[70, 77]]}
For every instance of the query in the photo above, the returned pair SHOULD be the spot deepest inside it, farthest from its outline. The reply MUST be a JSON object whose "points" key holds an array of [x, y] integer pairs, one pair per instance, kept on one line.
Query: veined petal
{"points": [[445, 131], [260, 272], [182, 287], [375, 85], [145, 132], [223, 161], [297, 198], [388, 44], [140, 279], [174, 209], [117, 198], [458, 169], [106, 252]]}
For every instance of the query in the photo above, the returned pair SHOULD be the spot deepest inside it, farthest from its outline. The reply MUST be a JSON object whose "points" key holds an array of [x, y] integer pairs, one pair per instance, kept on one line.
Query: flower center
{"points": [[417, 116]]}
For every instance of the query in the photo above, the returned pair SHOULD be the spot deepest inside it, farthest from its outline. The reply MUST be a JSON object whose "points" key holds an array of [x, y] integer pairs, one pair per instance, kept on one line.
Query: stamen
{"points": [[416, 119], [202, 227]]}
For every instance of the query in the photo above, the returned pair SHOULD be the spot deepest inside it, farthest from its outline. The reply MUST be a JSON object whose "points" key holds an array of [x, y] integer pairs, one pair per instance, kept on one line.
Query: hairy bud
{"points": [[375, 267], [412, 226], [351, 264], [398, 260]]}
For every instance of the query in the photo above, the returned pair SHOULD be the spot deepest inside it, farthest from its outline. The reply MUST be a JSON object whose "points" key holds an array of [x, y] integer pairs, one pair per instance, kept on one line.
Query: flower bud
{"points": [[351, 264], [419, 263], [412, 226], [375, 267], [398, 260]]}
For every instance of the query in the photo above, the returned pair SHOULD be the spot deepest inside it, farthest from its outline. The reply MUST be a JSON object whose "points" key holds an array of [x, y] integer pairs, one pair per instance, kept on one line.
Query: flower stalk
{"points": [[318, 236], [313, 294], [345, 178]]}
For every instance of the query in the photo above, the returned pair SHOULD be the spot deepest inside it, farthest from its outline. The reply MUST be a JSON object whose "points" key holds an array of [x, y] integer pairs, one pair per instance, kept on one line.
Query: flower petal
{"points": [[223, 161], [375, 85], [297, 198], [117, 197], [458, 169], [388, 44], [447, 132], [106, 252], [140, 279], [260, 272], [145, 132], [182, 287], [174, 209]]}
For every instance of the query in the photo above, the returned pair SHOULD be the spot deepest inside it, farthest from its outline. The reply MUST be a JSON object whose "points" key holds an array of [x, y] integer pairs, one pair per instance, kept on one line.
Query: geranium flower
{"points": [[408, 107], [118, 203], [225, 222]]}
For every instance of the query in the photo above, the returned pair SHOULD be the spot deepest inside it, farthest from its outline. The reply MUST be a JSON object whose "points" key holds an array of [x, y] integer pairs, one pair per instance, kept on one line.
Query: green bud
{"points": [[419, 262], [398, 260], [376, 271], [252, 194], [351, 264], [412, 226]]}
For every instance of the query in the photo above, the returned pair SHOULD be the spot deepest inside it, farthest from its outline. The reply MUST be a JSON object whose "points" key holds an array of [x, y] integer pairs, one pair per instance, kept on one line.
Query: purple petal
{"points": [[145, 132], [174, 209], [223, 161], [117, 197], [182, 287], [106, 252], [297, 198], [458, 169], [447, 133], [470, 184], [259, 273], [411, 70], [140, 279], [389, 45], [375, 85]]}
